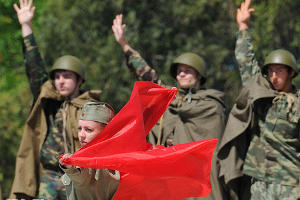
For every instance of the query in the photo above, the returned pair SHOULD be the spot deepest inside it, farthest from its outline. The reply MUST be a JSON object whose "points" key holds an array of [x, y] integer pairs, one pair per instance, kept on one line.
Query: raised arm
{"points": [[135, 62], [35, 68], [244, 52]]}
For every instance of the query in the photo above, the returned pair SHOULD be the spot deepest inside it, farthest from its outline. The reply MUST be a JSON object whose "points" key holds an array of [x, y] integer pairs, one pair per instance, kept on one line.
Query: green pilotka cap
{"points": [[97, 111]]}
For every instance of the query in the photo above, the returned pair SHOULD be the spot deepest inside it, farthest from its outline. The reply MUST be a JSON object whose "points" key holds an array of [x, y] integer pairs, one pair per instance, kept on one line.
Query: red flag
{"points": [[175, 172], [172, 173]]}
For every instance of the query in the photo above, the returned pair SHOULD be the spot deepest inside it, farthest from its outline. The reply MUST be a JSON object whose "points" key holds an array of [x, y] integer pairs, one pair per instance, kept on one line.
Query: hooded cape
{"points": [[203, 118], [234, 144], [28, 166]]}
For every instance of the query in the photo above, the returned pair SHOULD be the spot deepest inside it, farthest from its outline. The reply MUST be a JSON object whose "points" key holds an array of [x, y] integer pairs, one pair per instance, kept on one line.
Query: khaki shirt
{"points": [[85, 184]]}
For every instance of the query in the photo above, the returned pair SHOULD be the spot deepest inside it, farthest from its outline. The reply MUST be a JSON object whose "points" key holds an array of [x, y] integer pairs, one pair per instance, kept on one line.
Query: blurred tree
{"points": [[159, 30], [12, 87], [15, 98]]}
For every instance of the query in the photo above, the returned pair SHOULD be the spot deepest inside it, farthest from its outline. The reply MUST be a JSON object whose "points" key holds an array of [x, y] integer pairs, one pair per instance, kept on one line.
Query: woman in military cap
{"points": [[83, 183]]}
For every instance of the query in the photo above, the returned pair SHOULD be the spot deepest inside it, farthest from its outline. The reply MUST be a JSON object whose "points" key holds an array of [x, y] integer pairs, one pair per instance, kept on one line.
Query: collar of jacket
{"points": [[49, 92]]}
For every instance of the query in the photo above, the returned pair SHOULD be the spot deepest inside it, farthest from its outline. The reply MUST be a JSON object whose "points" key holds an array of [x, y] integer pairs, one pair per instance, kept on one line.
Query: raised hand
{"points": [[119, 30], [25, 11], [243, 15], [25, 15]]}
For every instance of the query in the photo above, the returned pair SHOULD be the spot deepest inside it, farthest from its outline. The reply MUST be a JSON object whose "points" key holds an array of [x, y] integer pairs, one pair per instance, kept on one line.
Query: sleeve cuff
{"points": [[29, 37], [71, 171], [29, 43], [244, 33]]}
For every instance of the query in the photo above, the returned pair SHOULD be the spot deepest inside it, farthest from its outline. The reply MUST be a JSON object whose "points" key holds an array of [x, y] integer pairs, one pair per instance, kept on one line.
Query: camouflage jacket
{"points": [[274, 150], [37, 75], [183, 122], [97, 184], [41, 137], [256, 123]]}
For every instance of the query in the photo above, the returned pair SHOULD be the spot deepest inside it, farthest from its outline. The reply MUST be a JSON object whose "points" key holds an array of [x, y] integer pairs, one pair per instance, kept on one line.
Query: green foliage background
{"points": [[159, 29]]}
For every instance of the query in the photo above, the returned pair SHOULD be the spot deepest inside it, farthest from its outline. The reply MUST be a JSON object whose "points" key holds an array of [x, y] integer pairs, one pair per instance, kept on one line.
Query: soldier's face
{"points": [[186, 76], [88, 130], [66, 82], [280, 77]]}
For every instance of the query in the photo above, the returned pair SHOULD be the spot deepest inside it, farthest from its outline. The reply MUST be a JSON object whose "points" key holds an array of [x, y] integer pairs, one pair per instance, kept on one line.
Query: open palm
{"points": [[25, 11], [119, 29], [244, 12]]}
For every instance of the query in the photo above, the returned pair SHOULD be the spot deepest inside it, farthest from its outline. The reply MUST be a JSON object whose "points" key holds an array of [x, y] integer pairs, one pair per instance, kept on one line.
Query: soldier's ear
{"points": [[199, 77], [79, 81], [292, 74]]}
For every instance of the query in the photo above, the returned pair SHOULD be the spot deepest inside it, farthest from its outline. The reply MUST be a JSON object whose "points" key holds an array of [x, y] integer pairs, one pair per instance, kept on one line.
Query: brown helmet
{"points": [[192, 60], [283, 57], [69, 63]]}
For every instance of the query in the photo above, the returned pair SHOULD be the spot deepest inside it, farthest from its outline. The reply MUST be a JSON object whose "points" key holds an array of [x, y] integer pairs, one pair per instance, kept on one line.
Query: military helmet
{"points": [[69, 63], [192, 60], [97, 111], [281, 56]]}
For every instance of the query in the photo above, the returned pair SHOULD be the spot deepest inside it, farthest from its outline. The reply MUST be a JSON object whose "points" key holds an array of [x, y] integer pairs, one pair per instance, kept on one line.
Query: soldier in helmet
{"points": [[259, 151], [50, 129], [196, 113]]}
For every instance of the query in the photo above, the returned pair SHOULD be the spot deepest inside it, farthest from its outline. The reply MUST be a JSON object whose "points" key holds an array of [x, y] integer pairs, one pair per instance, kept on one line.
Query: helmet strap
{"points": [[190, 95], [79, 83], [190, 91]]}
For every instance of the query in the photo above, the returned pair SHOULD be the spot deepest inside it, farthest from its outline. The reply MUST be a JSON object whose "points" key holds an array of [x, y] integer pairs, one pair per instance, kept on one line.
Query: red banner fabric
{"points": [[175, 172]]}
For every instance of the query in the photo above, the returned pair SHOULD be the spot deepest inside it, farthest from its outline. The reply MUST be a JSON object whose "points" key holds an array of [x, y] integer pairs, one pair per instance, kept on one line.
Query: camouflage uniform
{"points": [[270, 191], [50, 187], [53, 144], [194, 116], [272, 158]]}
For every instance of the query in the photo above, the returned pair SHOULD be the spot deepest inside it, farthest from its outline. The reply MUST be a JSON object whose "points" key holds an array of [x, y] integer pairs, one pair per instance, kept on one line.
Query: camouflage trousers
{"points": [[51, 186], [270, 191]]}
